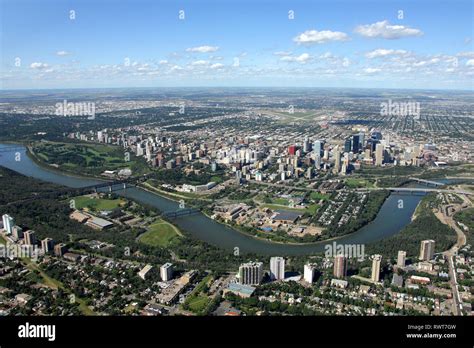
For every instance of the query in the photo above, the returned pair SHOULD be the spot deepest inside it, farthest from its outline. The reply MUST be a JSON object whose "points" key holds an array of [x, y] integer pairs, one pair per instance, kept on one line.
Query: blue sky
{"points": [[142, 43]]}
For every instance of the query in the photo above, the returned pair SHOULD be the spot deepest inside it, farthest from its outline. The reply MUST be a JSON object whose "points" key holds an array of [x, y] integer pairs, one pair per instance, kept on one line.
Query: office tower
{"points": [[17, 232], [166, 272], [376, 136], [344, 169], [378, 154], [402, 255], [317, 161], [361, 140], [47, 245], [355, 143], [340, 266], [337, 162], [60, 249], [8, 223], [251, 273], [376, 261], [309, 270], [292, 149], [29, 237], [347, 145], [277, 268], [427, 249], [306, 145], [318, 147]]}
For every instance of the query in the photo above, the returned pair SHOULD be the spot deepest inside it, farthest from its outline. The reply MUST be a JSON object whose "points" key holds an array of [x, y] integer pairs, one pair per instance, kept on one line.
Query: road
{"points": [[446, 218], [397, 189]]}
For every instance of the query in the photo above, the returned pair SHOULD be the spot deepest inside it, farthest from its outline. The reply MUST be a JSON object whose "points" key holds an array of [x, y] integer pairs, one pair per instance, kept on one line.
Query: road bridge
{"points": [[180, 212], [427, 182]]}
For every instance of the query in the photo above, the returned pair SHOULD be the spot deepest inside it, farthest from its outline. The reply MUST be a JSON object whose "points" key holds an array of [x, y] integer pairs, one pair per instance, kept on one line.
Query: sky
{"points": [[424, 44]]}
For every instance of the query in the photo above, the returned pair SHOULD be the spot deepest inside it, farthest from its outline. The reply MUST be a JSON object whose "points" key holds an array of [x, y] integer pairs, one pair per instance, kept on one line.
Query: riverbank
{"points": [[388, 222], [32, 155], [177, 198]]}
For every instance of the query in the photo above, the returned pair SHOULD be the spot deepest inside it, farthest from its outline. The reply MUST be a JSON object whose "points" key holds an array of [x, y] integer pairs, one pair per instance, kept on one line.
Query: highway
{"points": [[395, 189]]}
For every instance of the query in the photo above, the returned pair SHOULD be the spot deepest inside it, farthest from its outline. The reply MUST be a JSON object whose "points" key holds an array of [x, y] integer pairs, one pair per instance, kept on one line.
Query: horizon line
{"points": [[235, 87]]}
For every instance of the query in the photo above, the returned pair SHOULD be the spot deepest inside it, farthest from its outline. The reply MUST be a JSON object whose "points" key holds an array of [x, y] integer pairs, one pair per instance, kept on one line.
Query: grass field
{"points": [[197, 301], [160, 233], [283, 207], [98, 203], [87, 158], [358, 183], [318, 196]]}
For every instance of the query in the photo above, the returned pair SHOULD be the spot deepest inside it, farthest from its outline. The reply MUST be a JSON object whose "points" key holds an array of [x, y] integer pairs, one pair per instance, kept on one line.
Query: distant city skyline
{"points": [[344, 44]]}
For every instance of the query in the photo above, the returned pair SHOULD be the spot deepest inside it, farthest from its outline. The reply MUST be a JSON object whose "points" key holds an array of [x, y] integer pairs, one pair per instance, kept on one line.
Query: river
{"points": [[388, 222]]}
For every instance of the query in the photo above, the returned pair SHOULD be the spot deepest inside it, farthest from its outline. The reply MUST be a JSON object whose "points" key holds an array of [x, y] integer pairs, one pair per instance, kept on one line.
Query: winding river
{"points": [[389, 220]]}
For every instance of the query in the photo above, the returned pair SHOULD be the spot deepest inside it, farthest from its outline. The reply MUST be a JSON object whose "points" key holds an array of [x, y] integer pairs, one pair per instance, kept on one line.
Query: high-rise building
{"points": [[47, 245], [348, 145], [306, 146], [376, 261], [60, 249], [277, 268], [340, 266], [17, 232], [361, 140], [402, 255], [166, 272], [376, 135], [379, 154], [317, 161], [427, 249], [337, 161], [318, 147], [251, 273], [8, 223], [355, 143], [309, 270], [292, 149], [29, 237]]}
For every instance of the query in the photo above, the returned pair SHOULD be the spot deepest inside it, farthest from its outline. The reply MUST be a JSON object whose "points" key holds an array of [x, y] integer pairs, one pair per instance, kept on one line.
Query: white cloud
{"points": [[319, 37], [326, 55], [217, 66], [346, 62], [203, 49], [63, 53], [381, 52], [302, 58], [38, 65], [470, 62], [163, 62], [200, 62], [372, 70], [385, 30], [468, 54], [236, 63]]}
